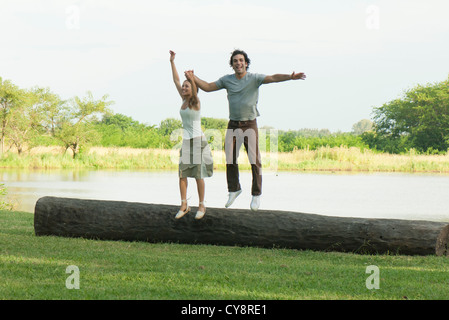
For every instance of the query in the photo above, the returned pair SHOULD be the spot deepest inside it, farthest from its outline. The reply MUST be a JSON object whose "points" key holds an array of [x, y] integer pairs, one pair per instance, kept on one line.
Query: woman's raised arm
{"points": [[175, 74], [195, 101]]}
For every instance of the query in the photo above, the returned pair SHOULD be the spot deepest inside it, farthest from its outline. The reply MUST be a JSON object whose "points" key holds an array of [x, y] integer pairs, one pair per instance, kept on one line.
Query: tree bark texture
{"points": [[119, 220]]}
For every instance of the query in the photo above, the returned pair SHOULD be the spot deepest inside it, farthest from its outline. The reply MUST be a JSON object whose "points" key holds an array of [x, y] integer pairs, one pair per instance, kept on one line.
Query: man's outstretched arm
{"points": [[284, 77], [205, 86]]}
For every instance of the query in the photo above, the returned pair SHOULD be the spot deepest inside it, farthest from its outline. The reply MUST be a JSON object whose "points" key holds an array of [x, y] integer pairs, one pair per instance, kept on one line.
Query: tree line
{"points": [[37, 116]]}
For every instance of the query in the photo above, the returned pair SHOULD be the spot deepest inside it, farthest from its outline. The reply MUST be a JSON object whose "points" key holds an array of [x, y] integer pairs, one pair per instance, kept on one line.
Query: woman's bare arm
{"points": [[175, 74]]}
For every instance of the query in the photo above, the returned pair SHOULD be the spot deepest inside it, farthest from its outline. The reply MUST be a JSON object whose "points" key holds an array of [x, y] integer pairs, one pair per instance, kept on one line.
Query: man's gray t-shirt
{"points": [[243, 95]]}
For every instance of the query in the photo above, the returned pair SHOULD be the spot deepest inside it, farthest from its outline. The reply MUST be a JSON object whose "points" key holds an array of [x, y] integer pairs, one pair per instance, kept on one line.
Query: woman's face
{"points": [[186, 89]]}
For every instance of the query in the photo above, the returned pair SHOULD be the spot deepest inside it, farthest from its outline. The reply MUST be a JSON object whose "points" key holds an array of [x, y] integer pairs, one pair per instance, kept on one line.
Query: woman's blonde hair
{"points": [[193, 101]]}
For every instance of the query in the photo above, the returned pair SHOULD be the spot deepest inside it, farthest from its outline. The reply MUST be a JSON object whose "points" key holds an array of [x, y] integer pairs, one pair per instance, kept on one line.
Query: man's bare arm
{"points": [[205, 86], [284, 77]]}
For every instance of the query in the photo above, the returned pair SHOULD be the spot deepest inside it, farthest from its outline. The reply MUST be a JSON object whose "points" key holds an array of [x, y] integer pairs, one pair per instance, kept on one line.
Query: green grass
{"points": [[35, 268]]}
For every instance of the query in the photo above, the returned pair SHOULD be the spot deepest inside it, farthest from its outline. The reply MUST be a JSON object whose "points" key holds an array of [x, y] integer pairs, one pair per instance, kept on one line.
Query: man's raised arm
{"points": [[284, 77]]}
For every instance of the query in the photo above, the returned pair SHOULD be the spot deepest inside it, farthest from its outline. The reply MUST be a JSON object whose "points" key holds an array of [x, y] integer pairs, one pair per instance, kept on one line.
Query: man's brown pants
{"points": [[245, 132]]}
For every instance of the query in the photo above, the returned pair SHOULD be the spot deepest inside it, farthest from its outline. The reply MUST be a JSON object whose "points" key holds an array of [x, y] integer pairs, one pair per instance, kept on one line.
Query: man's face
{"points": [[239, 64]]}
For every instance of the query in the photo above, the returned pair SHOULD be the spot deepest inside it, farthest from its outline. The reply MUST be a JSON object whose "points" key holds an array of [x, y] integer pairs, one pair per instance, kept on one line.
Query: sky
{"points": [[357, 54]]}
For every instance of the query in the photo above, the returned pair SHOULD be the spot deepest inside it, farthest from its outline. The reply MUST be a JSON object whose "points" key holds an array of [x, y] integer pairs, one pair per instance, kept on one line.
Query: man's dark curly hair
{"points": [[236, 52]]}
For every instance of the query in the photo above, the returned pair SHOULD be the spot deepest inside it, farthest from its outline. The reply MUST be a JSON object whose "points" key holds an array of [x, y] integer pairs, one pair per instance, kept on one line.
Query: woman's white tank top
{"points": [[191, 123]]}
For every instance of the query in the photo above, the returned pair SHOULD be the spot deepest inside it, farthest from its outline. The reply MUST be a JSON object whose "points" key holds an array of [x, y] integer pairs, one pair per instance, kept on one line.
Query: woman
{"points": [[195, 155]]}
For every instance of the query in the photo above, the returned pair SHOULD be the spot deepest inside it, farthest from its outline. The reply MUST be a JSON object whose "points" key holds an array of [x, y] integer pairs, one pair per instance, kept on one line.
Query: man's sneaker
{"points": [[232, 197], [255, 203]]}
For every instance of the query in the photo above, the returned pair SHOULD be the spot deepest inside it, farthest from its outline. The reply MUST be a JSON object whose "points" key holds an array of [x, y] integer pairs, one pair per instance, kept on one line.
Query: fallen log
{"points": [[118, 220]]}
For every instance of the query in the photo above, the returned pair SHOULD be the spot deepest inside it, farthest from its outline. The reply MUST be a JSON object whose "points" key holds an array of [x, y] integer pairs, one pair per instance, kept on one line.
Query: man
{"points": [[243, 94]]}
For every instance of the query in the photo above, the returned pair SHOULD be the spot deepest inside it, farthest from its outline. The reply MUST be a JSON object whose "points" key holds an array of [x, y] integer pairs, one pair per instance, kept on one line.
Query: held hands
{"points": [[298, 76], [189, 75]]}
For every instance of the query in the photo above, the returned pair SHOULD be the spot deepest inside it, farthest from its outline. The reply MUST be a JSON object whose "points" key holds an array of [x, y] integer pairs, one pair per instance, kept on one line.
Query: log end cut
{"points": [[442, 246]]}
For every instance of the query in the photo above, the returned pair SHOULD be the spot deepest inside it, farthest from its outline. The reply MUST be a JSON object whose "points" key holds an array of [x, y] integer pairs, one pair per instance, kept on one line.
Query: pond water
{"points": [[368, 195]]}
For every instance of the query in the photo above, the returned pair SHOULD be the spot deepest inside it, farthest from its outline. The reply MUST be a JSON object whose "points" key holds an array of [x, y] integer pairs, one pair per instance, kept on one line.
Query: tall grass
{"points": [[323, 158], [96, 158], [354, 159], [4, 203]]}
